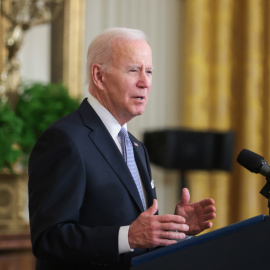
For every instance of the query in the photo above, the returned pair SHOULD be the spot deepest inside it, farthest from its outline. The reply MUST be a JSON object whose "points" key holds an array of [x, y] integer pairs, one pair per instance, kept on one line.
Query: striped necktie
{"points": [[130, 160]]}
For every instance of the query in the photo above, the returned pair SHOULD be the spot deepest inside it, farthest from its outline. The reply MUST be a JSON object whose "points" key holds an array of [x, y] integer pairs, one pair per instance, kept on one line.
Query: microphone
{"points": [[254, 162]]}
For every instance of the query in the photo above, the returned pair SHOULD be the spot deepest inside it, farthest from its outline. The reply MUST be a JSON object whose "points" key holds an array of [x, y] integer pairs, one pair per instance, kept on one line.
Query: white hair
{"points": [[99, 51]]}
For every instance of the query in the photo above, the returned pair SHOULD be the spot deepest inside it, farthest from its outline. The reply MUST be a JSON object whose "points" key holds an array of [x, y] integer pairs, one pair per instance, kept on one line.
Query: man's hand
{"points": [[197, 214], [150, 230]]}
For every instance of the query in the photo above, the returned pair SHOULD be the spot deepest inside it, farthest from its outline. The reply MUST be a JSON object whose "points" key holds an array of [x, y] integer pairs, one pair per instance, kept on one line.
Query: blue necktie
{"points": [[130, 160]]}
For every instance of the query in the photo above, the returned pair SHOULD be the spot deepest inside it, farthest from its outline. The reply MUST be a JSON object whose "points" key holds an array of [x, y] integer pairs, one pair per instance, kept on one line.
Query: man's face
{"points": [[127, 83]]}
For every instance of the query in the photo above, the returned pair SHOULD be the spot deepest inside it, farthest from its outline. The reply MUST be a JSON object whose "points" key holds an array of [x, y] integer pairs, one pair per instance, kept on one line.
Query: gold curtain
{"points": [[226, 87], [67, 49]]}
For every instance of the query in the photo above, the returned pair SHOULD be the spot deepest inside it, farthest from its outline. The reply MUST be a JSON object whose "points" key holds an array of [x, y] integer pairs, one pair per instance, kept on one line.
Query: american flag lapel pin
{"points": [[136, 144]]}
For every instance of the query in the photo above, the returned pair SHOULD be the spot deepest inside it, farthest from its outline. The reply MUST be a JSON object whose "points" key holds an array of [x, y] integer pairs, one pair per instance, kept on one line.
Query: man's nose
{"points": [[145, 80]]}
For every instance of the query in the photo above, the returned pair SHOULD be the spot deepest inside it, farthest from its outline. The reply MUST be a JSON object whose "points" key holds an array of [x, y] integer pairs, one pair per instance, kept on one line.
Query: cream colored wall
{"points": [[34, 54], [161, 21]]}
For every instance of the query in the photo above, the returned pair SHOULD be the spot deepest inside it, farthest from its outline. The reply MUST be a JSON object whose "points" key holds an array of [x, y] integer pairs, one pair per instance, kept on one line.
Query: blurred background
{"points": [[212, 67]]}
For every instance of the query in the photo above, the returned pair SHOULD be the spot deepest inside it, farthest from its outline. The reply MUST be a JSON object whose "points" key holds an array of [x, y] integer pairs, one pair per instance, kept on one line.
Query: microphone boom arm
{"points": [[265, 191]]}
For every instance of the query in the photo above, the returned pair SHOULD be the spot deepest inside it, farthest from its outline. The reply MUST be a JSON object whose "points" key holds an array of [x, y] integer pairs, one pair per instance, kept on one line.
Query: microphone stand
{"points": [[265, 191]]}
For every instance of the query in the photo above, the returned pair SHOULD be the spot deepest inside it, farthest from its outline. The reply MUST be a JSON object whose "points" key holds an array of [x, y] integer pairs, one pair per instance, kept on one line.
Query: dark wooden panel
{"points": [[15, 249]]}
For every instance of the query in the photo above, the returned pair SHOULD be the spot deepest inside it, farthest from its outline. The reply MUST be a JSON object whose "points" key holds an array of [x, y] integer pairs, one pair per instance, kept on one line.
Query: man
{"points": [[86, 211]]}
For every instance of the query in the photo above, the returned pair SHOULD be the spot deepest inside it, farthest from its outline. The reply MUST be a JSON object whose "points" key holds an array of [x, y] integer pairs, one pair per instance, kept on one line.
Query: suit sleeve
{"points": [[56, 192]]}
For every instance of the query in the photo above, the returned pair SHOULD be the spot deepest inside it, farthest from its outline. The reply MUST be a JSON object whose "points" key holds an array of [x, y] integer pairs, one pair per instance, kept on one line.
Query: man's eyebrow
{"points": [[139, 67], [134, 67]]}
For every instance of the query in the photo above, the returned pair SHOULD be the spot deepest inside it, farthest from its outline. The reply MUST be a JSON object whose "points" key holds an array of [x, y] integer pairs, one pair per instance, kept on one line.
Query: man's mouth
{"points": [[139, 97]]}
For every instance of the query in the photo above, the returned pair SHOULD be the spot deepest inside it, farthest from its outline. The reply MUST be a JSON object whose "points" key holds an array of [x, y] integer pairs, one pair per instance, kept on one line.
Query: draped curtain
{"points": [[67, 37], [226, 87]]}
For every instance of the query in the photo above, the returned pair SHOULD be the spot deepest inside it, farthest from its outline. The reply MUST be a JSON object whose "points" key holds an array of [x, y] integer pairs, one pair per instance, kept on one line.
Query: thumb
{"points": [[152, 209], [185, 198]]}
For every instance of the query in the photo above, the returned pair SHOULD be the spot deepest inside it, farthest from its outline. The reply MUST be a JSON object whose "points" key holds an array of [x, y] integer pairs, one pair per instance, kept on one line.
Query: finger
{"points": [[166, 242], [209, 216], [170, 218], [207, 202], [152, 209], [173, 227], [208, 225], [209, 209], [185, 198], [172, 235]]}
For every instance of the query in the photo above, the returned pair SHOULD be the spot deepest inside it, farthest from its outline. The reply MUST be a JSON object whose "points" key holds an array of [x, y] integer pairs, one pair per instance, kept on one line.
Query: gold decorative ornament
{"points": [[22, 14]]}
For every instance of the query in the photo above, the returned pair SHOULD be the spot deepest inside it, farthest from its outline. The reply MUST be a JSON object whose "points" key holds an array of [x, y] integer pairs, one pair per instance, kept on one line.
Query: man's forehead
{"points": [[126, 46], [133, 52]]}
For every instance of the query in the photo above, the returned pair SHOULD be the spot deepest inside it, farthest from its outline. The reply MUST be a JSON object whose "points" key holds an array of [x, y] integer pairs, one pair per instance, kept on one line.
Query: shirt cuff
{"points": [[123, 244]]}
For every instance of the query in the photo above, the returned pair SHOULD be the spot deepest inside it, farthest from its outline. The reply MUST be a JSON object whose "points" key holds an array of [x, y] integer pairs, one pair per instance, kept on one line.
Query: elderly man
{"points": [[92, 202]]}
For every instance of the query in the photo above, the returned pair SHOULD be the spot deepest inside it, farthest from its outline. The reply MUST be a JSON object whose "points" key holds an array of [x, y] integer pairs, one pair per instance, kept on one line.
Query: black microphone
{"points": [[254, 162]]}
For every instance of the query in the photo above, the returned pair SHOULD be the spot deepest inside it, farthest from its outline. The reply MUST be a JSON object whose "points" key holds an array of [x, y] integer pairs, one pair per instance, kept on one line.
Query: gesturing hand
{"points": [[197, 214], [150, 230]]}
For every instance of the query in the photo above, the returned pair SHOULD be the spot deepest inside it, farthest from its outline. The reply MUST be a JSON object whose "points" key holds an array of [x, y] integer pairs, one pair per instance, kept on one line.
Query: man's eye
{"points": [[132, 70], [149, 72]]}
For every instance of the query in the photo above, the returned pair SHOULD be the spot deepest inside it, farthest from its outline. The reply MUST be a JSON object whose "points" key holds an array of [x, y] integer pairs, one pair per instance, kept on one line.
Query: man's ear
{"points": [[97, 75]]}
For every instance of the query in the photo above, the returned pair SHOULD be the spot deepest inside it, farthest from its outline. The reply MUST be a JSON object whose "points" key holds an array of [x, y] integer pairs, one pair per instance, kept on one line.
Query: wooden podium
{"points": [[240, 246]]}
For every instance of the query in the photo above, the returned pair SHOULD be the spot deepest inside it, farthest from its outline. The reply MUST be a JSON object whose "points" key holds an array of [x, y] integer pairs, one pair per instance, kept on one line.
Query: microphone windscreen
{"points": [[250, 160]]}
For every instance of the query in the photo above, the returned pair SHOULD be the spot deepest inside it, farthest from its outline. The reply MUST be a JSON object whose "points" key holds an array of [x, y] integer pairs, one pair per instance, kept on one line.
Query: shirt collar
{"points": [[106, 117]]}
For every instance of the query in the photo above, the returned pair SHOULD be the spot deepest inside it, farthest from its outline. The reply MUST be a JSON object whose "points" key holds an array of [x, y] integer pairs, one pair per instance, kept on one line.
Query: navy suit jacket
{"points": [[81, 192]]}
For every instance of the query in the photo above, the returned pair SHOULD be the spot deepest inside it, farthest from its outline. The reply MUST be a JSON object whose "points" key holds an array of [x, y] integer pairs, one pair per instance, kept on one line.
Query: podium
{"points": [[243, 245]]}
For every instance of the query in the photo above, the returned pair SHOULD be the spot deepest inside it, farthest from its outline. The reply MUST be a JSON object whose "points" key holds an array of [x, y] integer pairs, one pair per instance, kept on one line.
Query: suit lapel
{"points": [[100, 136]]}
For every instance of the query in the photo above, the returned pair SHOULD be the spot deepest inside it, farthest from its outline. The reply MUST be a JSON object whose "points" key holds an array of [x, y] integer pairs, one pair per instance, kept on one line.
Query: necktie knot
{"points": [[123, 133], [124, 138]]}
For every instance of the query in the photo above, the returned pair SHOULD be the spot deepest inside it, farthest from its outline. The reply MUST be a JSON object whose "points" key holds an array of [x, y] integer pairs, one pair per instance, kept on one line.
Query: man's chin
{"points": [[139, 112]]}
